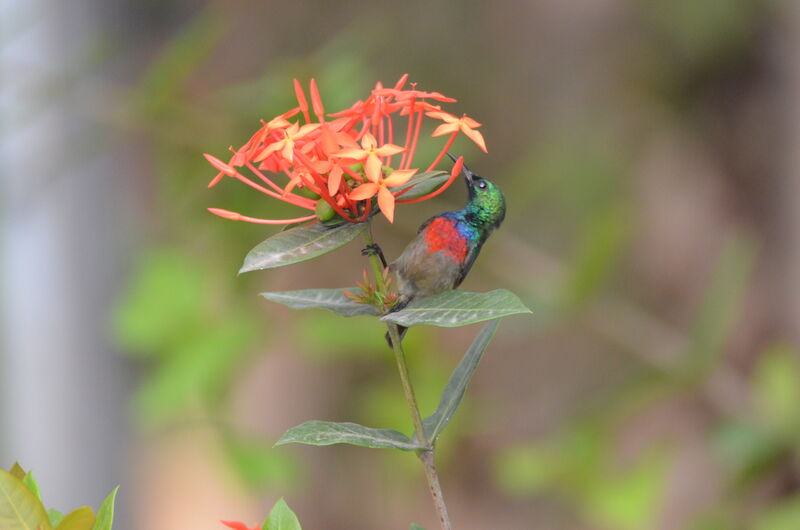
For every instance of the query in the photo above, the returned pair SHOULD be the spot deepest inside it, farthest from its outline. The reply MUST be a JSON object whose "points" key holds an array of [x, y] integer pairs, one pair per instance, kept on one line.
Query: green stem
{"points": [[377, 266], [426, 456], [408, 390]]}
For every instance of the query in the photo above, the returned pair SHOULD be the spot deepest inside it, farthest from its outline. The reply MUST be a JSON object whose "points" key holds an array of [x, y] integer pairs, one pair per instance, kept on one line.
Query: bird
{"points": [[442, 253]]}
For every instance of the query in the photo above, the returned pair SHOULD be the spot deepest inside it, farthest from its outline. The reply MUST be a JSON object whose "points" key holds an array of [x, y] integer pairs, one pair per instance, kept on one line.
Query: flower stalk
{"points": [[426, 456]]}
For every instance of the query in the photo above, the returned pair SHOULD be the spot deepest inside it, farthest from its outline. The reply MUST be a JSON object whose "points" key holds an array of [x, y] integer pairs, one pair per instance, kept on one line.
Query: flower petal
{"points": [[373, 168], [316, 101], [401, 82], [220, 165], [445, 128], [355, 154], [386, 203], [441, 115], [307, 128], [301, 97], [368, 142], [334, 180], [365, 191], [476, 137], [389, 150], [327, 141], [236, 525], [399, 177], [227, 214], [470, 122], [216, 179], [288, 150]]}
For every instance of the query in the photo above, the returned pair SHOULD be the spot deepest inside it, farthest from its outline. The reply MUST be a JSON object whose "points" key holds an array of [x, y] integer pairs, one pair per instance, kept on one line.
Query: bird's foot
{"points": [[374, 250]]}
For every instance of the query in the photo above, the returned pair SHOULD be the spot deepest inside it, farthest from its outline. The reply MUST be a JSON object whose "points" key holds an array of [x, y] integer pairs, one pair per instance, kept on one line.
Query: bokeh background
{"points": [[650, 154]]}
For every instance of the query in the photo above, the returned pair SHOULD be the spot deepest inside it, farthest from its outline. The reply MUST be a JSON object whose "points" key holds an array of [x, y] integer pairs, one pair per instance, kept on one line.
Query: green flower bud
{"points": [[325, 211]]}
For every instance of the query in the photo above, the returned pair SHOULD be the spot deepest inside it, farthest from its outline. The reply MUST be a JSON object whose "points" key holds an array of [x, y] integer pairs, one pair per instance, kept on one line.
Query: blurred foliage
{"points": [[570, 193]]}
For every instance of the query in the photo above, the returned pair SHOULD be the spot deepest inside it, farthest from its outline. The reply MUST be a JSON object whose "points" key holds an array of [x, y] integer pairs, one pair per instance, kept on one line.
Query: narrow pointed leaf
{"points": [[19, 507], [458, 308], [457, 385], [330, 299], [281, 517], [422, 184], [17, 471], [32, 485], [329, 433], [55, 517], [80, 519], [105, 515], [299, 244]]}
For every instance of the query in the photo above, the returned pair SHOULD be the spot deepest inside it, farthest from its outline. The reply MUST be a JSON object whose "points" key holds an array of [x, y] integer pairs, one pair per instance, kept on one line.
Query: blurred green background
{"points": [[649, 155]]}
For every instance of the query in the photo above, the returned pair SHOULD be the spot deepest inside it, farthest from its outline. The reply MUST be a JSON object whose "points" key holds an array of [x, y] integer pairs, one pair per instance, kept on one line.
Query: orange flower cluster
{"points": [[337, 163]]}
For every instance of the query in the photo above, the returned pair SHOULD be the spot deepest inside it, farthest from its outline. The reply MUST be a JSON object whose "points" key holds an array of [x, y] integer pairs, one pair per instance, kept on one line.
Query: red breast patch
{"points": [[441, 235]]}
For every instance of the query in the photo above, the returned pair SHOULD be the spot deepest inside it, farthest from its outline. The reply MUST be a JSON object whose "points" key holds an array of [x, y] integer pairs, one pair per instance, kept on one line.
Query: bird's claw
{"points": [[371, 250], [374, 250]]}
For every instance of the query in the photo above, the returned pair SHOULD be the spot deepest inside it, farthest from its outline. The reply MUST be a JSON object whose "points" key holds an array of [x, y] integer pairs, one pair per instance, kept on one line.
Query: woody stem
{"points": [[426, 456]]}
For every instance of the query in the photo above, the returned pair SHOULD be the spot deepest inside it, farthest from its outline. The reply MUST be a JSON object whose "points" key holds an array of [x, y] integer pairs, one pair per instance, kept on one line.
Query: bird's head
{"points": [[486, 202]]}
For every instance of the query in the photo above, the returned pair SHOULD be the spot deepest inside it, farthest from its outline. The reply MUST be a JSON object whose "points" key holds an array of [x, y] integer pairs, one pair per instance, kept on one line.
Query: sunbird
{"points": [[442, 253]]}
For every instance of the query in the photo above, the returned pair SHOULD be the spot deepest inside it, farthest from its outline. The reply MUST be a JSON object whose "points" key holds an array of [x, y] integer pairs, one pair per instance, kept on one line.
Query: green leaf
{"points": [[415, 526], [422, 184], [776, 390], [281, 517], [330, 299], [782, 515], [258, 464], [329, 433], [527, 469], [299, 244], [720, 306], [31, 484], [458, 308], [599, 247], [630, 499], [457, 385], [194, 370], [105, 515], [55, 517], [81, 519], [17, 471], [19, 507], [162, 302]]}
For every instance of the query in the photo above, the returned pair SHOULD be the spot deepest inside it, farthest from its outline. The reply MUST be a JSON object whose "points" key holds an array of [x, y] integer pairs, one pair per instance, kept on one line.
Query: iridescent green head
{"points": [[486, 206]]}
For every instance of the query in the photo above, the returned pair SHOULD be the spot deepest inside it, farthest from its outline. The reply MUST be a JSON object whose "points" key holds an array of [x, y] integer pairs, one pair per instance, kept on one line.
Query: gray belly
{"points": [[418, 274]]}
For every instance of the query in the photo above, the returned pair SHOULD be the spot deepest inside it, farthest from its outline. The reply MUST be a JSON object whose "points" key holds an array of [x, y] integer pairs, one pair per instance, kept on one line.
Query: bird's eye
{"points": [[482, 184]]}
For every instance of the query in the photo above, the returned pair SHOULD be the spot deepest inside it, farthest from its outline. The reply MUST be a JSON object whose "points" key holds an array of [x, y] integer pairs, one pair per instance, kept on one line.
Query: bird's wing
{"points": [[467, 265]]}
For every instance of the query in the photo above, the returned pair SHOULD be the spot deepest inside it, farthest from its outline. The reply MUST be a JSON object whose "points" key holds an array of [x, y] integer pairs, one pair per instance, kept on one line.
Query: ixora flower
{"points": [[236, 525], [343, 164]]}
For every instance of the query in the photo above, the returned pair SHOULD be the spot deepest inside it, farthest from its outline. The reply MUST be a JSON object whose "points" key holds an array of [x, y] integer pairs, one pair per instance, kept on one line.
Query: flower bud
{"points": [[324, 211]]}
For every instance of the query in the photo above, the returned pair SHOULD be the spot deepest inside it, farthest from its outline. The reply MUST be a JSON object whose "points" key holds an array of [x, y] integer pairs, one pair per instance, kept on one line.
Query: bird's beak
{"points": [[464, 169]]}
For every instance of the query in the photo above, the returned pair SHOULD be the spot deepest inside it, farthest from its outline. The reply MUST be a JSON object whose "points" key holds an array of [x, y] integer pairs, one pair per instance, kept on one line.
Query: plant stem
{"points": [[408, 390], [426, 456]]}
